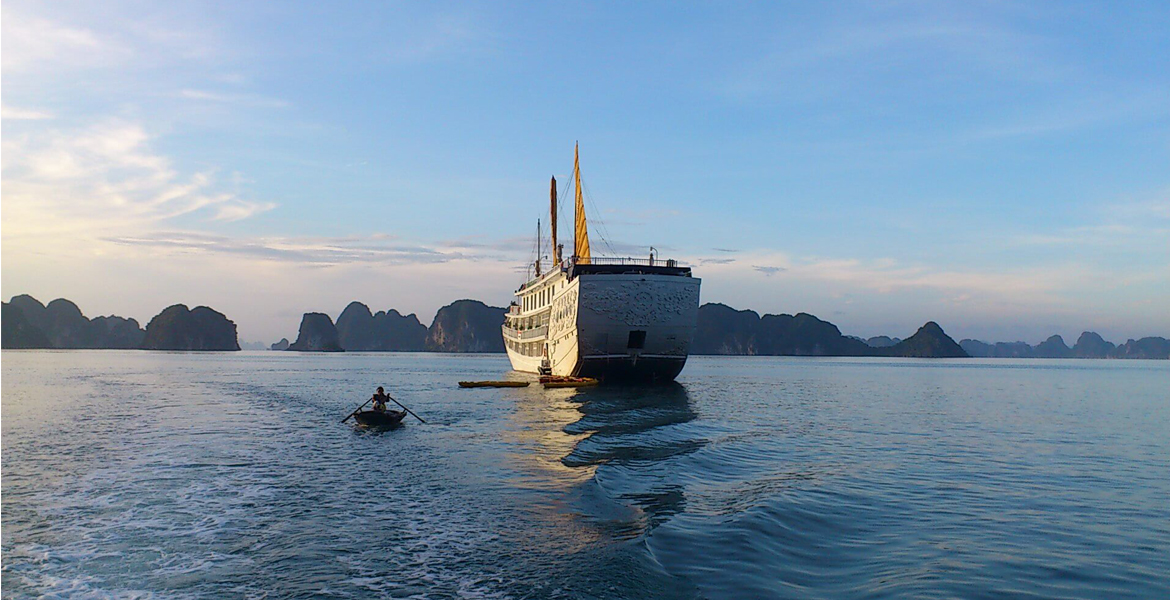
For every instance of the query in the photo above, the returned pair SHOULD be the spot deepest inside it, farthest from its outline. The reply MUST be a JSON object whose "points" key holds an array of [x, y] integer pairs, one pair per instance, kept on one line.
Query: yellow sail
{"points": [[581, 242]]}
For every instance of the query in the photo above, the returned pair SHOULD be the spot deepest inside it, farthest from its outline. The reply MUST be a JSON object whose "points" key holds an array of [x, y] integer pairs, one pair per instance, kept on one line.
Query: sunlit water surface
{"points": [[158, 475]]}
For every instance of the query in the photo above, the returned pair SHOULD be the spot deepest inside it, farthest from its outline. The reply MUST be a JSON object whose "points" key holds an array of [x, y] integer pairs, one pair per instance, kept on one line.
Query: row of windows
{"points": [[526, 323], [539, 299], [526, 348]]}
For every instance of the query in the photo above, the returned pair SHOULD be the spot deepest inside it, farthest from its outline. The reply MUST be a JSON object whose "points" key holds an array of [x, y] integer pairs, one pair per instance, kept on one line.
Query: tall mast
{"points": [[556, 253], [538, 247], [581, 241]]}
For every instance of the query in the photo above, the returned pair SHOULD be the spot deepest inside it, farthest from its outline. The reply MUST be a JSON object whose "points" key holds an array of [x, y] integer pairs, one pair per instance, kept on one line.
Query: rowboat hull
{"points": [[373, 418]]}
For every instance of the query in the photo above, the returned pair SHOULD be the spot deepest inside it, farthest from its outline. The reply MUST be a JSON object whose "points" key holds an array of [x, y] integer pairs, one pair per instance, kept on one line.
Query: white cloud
{"points": [[23, 114], [36, 43], [107, 178]]}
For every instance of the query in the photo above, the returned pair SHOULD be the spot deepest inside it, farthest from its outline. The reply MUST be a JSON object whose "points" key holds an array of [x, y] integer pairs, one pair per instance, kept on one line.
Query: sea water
{"points": [[229, 475]]}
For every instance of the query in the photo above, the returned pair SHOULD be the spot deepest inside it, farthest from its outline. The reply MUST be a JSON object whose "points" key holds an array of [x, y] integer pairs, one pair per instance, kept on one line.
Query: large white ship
{"points": [[603, 317]]}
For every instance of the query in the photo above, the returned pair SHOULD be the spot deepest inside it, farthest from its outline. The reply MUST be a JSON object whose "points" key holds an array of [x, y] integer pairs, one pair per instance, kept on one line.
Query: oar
{"points": [[404, 408], [358, 408]]}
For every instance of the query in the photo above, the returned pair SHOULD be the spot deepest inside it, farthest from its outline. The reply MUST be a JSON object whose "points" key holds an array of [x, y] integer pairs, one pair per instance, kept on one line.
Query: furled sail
{"points": [[581, 242]]}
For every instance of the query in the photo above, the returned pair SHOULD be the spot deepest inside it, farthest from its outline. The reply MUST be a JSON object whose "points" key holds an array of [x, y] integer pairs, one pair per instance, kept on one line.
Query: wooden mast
{"points": [[556, 252]]}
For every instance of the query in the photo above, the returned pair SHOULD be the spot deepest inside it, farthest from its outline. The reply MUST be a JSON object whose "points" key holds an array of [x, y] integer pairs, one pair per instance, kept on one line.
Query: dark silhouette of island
{"points": [[1147, 347], [462, 326], [724, 330], [1053, 347], [1089, 345], [882, 341], [317, 334], [63, 326], [930, 341], [472, 326], [28, 324], [200, 328], [387, 331], [18, 332], [467, 326]]}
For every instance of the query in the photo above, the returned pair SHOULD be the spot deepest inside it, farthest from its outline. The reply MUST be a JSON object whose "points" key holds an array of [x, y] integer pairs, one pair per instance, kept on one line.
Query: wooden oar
{"points": [[359, 408], [404, 408]]}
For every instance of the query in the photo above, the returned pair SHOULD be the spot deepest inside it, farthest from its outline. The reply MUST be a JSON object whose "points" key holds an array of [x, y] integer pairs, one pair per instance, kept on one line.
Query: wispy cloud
{"points": [[105, 177], [23, 114], [1128, 224], [887, 276], [303, 251], [33, 42], [769, 271], [248, 100]]}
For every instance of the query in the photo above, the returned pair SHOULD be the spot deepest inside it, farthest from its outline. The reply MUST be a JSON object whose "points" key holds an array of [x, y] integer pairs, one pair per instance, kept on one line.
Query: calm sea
{"points": [[160, 475]]}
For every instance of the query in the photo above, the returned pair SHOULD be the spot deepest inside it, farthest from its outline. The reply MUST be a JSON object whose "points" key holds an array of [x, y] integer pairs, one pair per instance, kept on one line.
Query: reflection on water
{"points": [[633, 426]]}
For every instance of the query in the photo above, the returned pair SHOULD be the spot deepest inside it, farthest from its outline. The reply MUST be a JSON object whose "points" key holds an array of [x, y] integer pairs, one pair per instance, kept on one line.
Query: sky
{"points": [[1002, 168]]}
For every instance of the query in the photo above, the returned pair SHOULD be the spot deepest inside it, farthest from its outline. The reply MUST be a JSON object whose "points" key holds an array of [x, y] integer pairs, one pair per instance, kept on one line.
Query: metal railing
{"points": [[527, 334], [608, 260], [617, 260]]}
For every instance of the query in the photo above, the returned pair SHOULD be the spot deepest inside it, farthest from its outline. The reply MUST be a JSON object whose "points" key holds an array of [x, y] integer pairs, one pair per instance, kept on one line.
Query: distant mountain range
{"points": [[29, 324], [1089, 345], [472, 326], [462, 326], [727, 331]]}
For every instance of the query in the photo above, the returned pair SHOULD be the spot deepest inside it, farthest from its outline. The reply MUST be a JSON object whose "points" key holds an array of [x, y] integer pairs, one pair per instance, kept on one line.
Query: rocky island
{"points": [[724, 330], [467, 326], [200, 328], [317, 334], [472, 326], [1088, 345], [930, 341], [386, 331], [62, 325], [18, 332]]}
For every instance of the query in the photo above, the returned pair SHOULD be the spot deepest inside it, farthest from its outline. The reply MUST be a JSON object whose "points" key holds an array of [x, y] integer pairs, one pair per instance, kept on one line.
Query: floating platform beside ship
{"points": [[607, 318]]}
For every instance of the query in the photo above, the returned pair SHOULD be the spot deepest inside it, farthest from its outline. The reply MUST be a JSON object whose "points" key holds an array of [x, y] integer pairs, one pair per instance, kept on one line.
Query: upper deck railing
{"points": [[618, 261], [624, 260], [526, 334]]}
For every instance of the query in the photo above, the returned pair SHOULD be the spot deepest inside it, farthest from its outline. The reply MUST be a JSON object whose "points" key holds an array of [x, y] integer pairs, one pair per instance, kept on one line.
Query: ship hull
{"points": [[647, 369], [616, 327]]}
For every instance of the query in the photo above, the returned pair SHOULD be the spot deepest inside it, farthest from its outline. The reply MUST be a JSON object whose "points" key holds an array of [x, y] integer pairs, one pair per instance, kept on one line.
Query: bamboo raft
{"points": [[494, 384], [568, 382]]}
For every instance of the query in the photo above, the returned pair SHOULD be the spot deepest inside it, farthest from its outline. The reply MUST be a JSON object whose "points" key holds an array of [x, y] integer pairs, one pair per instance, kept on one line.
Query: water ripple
{"points": [[229, 475]]}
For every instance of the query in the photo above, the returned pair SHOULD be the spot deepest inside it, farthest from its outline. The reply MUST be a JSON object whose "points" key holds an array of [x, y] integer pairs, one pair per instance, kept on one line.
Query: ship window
{"points": [[637, 340]]}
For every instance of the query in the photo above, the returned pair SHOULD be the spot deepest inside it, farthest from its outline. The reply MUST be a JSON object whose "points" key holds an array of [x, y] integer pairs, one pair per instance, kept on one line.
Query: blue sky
{"points": [[1002, 168]]}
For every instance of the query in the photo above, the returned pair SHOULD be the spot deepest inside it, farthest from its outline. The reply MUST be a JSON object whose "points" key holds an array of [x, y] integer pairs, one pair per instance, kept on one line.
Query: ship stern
{"points": [[635, 326]]}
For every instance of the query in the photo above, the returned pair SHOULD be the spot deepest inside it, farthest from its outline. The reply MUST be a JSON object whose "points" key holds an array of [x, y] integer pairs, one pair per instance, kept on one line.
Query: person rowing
{"points": [[380, 399]]}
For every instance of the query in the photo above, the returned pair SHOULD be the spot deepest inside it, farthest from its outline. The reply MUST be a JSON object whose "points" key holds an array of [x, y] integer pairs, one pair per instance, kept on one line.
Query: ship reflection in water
{"points": [[639, 428]]}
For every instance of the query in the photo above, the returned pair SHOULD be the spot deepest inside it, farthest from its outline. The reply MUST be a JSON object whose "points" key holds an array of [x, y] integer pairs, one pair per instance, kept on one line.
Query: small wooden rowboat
{"points": [[374, 418], [479, 384], [568, 382]]}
